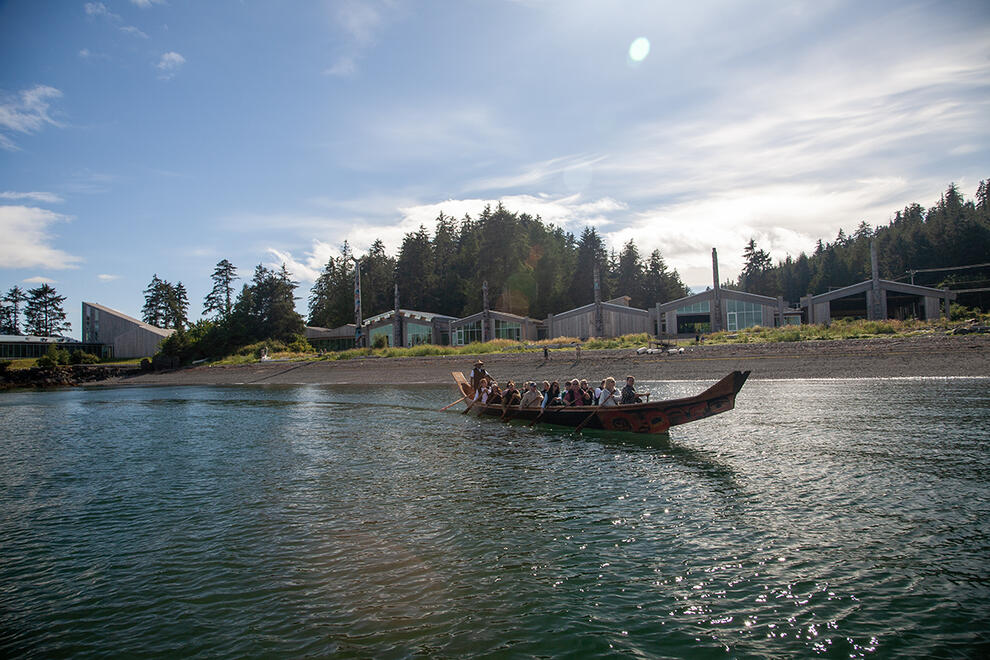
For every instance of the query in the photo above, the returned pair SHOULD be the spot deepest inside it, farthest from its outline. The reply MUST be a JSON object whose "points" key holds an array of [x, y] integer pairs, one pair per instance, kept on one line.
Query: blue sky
{"points": [[143, 136]]}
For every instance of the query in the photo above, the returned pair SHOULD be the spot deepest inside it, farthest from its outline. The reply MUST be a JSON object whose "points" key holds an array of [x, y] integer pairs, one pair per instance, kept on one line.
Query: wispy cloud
{"points": [[104, 277], [133, 31], [26, 112], [40, 197], [27, 240], [169, 64], [99, 9], [147, 4], [39, 279], [343, 67]]}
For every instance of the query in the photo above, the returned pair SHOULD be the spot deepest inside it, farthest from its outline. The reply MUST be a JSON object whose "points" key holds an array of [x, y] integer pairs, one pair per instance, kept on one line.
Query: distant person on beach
{"points": [[546, 354], [629, 394]]}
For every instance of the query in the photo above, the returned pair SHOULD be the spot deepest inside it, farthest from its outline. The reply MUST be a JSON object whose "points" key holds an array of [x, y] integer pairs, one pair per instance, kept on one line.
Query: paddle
{"points": [[537, 418], [588, 418], [470, 405], [451, 404]]}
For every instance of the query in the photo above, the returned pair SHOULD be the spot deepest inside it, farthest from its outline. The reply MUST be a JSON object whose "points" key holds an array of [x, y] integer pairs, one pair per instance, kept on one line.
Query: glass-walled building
{"points": [[499, 325], [698, 314], [414, 328]]}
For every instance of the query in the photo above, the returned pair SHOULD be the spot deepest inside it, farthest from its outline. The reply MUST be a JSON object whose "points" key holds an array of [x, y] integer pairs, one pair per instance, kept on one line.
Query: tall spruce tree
{"points": [[44, 312], [15, 297], [219, 302]]}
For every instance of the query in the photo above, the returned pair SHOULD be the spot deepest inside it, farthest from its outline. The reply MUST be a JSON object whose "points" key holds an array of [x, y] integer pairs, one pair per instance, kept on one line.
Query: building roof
{"points": [[164, 332], [866, 285], [496, 315], [409, 314], [612, 306], [710, 295], [35, 339], [344, 331]]}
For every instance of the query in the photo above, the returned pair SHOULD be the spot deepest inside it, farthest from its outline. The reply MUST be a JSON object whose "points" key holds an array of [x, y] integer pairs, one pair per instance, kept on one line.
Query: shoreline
{"points": [[919, 356]]}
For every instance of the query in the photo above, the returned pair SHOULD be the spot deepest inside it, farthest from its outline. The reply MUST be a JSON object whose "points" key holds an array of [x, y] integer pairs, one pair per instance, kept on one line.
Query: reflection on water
{"points": [[835, 518]]}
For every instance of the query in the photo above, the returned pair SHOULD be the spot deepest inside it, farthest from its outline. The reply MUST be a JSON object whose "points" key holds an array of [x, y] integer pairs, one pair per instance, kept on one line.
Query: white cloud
{"points": [[39, 279], [27, 240], [98, 9], [169, 64], [309, 267], [40, 197], [104, 277], [344, 67], [26, 112], [133, 31], [146, 4], [361, 20]]}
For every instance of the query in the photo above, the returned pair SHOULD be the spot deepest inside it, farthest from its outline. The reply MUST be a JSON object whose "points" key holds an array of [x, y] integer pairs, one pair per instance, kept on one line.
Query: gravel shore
{"points": [[924, 356]]}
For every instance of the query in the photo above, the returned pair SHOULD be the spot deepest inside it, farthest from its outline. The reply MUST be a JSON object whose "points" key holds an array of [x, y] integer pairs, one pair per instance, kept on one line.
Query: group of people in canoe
{"points": [[576, 392]]}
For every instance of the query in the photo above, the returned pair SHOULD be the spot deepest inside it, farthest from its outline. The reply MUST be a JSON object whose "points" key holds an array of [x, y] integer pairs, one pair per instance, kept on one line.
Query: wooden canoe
{"points": [[650, 417]]}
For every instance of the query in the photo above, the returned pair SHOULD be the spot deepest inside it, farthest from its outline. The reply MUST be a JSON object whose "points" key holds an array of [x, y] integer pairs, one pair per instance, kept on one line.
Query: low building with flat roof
{"points": [[331, 339], [128, 337], [33, 346]]}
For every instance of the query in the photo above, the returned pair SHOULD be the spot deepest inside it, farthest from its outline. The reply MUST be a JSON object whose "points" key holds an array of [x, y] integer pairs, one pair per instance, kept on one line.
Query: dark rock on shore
{"points": [[67, 376]]}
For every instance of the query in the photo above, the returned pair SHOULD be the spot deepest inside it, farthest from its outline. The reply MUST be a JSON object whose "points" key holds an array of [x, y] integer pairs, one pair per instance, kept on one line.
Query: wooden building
{"points": [[128, 337], [611, 318]]}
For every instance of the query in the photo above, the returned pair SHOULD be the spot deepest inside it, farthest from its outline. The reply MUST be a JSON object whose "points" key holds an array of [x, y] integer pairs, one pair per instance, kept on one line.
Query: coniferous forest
{"points": [[532, 269]]}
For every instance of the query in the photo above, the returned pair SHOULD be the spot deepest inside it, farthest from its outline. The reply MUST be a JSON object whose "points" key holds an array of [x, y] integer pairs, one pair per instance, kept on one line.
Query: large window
{"points": [[385, 330], [419, 334], [741, 314], [467, 333], [508, 330], [703, 307]]}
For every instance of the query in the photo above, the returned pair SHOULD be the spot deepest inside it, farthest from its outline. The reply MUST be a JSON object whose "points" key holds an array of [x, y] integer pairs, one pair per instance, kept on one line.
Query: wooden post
{"points": [[397, 322], [599, 320], [359, 339], [715, 315], [486, 333]]}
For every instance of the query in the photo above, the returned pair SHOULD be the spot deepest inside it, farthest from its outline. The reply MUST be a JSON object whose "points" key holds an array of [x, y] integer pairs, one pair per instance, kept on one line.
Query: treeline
{"points": [[41, 309], [263, 311], [953, 232], [532, 269]]}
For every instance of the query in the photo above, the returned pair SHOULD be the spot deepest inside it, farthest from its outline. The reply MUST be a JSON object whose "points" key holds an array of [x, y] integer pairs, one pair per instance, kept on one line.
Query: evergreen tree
{"points": [[7, 324], [220, 300], [660, 283], [44, 313], [15, 297], [590, 252], [629, 279], [177, 306], [414, 270], [756, 276], [331, 300], [155, 302]]}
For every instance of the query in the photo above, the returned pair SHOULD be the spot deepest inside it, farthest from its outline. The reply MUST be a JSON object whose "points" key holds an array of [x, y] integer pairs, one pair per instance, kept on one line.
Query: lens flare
{"points": [[639, 49]]}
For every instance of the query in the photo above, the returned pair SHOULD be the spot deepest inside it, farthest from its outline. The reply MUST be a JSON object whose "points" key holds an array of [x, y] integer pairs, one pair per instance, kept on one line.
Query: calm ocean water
{"points": [[842, 518]]}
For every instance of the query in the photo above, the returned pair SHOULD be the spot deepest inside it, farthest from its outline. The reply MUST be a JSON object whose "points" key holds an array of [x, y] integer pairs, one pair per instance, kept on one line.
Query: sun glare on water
{"points": [[639, 49]]}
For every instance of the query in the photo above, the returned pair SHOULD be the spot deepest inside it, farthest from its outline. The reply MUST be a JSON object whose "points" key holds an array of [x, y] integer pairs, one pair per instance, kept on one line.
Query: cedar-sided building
{"points": [[128, 337], [612, 318], [876, 299]]}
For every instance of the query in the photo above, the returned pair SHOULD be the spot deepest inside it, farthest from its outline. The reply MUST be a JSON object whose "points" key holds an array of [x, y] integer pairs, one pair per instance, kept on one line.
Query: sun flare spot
{"points": [[639, 49]]}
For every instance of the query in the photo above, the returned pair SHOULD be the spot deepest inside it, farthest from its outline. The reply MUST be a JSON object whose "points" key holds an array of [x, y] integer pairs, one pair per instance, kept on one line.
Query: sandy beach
{"points": [[924, 356]]}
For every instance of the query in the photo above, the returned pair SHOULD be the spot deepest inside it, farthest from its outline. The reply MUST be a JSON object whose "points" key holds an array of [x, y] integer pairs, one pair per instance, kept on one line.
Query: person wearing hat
{"points": [[478, 373], [532, 398]]}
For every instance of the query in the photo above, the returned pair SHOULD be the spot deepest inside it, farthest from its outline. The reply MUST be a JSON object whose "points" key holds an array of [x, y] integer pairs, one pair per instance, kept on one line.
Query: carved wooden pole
{"points": [[599, 320], [358, 330]]}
